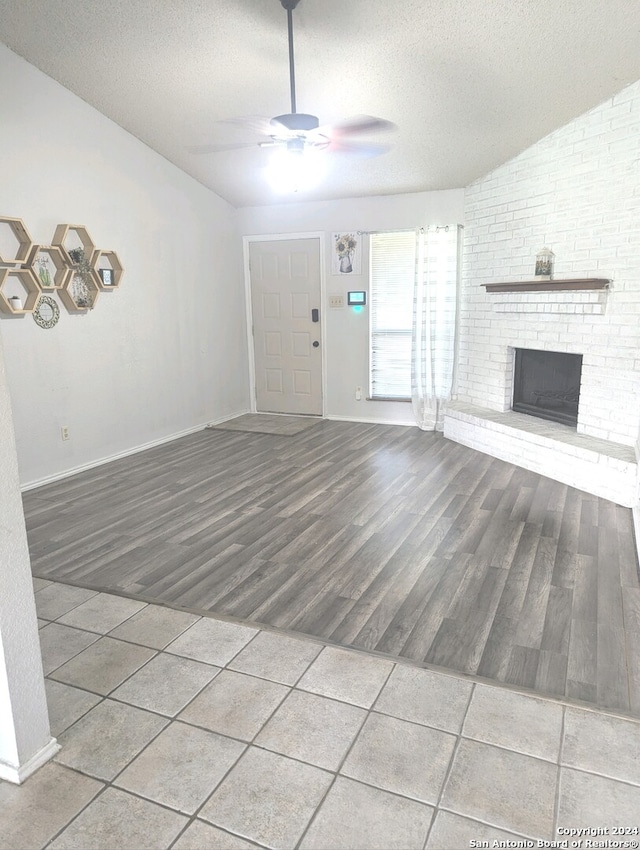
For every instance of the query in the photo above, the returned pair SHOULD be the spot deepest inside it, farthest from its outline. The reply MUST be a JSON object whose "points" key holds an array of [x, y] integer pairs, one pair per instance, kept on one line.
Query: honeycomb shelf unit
{"points": [[24, 280], [23, 252], [71, 267]]}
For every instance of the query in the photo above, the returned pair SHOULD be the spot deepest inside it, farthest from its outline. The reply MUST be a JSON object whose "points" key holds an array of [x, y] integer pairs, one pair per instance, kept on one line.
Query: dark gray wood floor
{"points": [[379, 537]]}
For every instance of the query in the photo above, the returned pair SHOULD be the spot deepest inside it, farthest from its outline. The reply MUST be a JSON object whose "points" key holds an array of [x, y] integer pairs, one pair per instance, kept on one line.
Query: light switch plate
{"points": [[336, 301]]}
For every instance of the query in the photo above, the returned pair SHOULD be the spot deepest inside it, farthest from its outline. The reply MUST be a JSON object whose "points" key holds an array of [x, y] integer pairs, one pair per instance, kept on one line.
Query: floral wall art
{"points": [[347, 253]]}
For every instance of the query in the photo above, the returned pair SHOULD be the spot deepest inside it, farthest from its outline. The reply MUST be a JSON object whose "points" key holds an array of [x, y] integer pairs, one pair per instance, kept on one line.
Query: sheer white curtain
{"points": [[435, 324]]}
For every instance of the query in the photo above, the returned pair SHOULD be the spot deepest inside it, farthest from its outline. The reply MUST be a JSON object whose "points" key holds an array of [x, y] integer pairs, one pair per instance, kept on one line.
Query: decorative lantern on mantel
{"points": [[544, 264]]}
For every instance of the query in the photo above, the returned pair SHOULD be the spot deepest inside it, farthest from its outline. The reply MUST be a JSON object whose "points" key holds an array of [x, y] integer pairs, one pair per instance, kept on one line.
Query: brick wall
{"points": [[578, 192]]}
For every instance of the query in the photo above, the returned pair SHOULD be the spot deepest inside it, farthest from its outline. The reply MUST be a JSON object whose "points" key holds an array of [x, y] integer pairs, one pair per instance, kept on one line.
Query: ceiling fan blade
{"points": [[269, 127], [204, 149], [358, 125], [255, 123], [356, 148]]}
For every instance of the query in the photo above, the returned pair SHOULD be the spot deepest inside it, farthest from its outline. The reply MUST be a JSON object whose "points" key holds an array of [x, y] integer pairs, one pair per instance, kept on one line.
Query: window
{"points": [[393, 269], [414, 313]]}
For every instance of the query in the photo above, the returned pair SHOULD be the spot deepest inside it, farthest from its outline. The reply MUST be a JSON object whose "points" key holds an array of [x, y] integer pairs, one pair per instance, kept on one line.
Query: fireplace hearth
{"points": [[546, 384]]}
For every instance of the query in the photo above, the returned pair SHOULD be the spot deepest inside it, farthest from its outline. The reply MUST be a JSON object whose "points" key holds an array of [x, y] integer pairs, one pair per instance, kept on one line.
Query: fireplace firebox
{"points": [[547, 384]]}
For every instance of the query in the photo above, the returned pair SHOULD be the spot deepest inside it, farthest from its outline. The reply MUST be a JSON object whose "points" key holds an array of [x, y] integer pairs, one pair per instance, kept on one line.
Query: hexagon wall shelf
{"points": [[61, 239], [80, 296], [25, 281], [24, 247], [50, 267], [108, 261]]}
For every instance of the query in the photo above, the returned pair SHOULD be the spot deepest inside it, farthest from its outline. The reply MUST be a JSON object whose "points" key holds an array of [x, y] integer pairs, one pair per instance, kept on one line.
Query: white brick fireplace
{"points": [[578, 192]]}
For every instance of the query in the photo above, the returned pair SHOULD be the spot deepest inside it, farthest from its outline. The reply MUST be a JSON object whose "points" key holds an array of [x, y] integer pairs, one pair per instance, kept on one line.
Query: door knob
{"points": [[315, 343]]}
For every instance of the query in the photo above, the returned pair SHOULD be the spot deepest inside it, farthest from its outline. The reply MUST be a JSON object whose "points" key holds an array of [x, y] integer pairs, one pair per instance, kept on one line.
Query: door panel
{"points": [[273, 343], [285, 288]]}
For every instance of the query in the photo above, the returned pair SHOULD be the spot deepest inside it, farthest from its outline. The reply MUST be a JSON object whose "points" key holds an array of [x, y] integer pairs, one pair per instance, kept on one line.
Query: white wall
{"points": [[25, 741], [164, 354], [347, 333], [577, 191]]}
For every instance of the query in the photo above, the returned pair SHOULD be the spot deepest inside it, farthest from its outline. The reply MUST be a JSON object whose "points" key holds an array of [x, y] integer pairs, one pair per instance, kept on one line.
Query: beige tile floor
{"points": [[185, 732]]}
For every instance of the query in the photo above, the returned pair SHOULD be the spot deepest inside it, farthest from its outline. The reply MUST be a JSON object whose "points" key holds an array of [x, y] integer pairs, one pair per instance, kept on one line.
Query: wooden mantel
{"points": [[549, 285]]}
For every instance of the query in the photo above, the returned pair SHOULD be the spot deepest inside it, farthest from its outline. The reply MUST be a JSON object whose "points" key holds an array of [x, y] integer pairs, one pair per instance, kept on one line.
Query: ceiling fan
{"points": [[298, 131]]}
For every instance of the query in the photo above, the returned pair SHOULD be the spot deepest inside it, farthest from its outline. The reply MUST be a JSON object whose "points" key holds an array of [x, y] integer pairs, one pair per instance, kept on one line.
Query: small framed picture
{"points": [[347, 255], [106, 276], [45, 269]]}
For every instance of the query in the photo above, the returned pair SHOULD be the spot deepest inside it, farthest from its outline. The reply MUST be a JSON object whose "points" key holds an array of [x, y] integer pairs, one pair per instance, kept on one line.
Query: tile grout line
{"points": [[156, 652], [342, 761], [110, 783], [460, 813], [449, 769], [556, 801], [73, 607], [247, 744], [108, 694], [97, 795]]}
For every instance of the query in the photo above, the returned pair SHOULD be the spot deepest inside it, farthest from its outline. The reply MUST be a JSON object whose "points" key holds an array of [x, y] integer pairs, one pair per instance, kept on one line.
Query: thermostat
{"points": [[357, 298]]}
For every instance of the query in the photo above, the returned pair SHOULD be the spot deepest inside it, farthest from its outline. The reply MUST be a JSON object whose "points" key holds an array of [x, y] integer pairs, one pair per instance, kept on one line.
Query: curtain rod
{"points": [[436, 227]]}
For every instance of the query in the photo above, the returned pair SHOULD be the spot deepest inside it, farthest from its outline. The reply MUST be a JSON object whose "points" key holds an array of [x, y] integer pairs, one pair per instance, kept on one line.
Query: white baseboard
{"points": [[18, 774], [370, 421], [67, 473]]}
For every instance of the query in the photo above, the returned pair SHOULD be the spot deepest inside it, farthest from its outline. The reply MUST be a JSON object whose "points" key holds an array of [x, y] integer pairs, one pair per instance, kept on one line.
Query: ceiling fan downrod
{"points": [[290, 5], [295, 121]]}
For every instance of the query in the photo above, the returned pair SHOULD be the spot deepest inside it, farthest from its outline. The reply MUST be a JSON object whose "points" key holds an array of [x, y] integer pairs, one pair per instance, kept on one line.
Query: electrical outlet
{"points": [[336, 301], [64, 432], [358, 393]]}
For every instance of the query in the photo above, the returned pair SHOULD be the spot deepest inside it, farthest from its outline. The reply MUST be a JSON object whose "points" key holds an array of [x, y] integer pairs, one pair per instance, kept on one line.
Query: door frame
{"points": [[281, 237]]}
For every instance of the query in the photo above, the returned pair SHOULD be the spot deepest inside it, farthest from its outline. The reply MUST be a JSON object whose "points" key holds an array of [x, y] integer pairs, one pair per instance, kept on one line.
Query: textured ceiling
{"points": [[469, 83]]}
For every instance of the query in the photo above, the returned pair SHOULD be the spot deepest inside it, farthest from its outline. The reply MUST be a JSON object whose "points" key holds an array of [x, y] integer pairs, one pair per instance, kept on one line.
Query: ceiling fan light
{"points": [[295, 146], [294, 168]]}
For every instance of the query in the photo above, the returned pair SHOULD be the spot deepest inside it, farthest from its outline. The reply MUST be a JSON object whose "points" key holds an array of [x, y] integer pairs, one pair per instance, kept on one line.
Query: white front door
{"points": [[285, 302]]}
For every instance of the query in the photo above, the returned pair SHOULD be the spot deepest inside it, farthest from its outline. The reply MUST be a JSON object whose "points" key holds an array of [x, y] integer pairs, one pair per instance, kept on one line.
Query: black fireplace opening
{"points": [[547, 384]]}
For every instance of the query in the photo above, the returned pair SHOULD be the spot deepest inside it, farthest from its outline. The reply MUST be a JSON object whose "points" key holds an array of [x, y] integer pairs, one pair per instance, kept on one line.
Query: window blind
{"points": [[392, 270]]}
